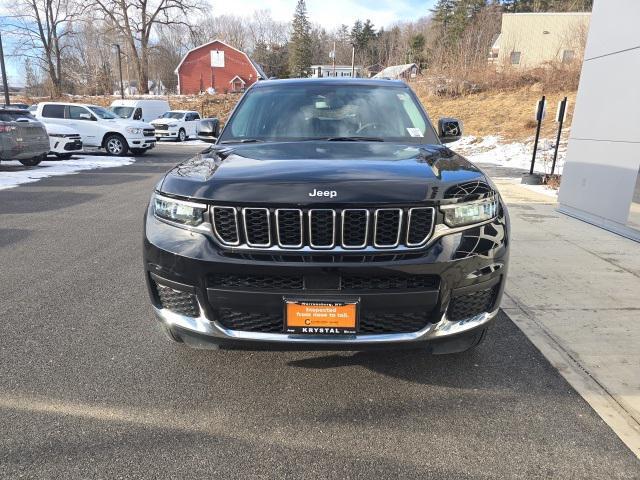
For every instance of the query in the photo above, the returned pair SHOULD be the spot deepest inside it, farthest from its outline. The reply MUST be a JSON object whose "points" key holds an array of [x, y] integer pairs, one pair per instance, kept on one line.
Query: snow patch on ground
{"points": [[13, 173], [494, 150]]}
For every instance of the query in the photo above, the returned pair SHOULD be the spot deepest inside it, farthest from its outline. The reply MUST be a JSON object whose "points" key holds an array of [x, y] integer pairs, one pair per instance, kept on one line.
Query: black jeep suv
{"points": [[328, 214]]}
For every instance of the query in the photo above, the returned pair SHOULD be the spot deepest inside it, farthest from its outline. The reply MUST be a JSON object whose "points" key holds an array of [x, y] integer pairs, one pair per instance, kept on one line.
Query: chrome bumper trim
{"points": [[201, 325]]}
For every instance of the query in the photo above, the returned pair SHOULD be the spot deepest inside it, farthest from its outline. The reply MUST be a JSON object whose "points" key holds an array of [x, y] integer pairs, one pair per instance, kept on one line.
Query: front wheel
{"points": [[116, 145], [182, 135], [31, 162]]}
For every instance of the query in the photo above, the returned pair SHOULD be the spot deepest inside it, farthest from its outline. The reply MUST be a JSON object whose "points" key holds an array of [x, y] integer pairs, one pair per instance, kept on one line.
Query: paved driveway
{"points": [[89, 388]]}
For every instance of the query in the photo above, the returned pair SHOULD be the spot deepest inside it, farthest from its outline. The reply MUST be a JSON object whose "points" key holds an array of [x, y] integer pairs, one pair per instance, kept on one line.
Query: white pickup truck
{"points": [[99, 128]]}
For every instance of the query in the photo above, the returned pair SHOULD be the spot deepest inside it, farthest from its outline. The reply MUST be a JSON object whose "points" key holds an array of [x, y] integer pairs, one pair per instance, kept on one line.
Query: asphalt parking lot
{"points": [[90, 389]]}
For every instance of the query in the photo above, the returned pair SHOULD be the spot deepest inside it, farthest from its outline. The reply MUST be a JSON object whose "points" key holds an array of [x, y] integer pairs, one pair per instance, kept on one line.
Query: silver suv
{"points": [[22, 137]]}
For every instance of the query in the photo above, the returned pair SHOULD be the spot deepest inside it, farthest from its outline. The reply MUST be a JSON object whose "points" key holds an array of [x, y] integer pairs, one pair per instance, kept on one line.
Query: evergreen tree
{"points": [[443, 11], [300, 45], [356, 34]]}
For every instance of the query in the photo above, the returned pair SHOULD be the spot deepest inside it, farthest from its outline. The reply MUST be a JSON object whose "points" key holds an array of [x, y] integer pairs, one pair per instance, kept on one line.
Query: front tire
{"points": [[182, 135], [32, 162], [116, 145]]}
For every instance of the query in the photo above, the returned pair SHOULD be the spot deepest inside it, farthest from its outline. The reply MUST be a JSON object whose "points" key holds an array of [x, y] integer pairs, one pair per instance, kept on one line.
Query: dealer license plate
{"points": [[321, 318]]}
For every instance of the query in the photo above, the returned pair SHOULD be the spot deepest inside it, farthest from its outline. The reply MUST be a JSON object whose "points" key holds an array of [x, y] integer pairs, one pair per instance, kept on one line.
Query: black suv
{"points": [[327, 215]]}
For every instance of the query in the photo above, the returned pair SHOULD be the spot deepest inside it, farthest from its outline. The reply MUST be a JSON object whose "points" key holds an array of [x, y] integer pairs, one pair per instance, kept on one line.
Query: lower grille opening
{"points": [[256, 282], [250, 321], [355, 283], [471, 304], [389, 282], [183, 303], [403, 322]]}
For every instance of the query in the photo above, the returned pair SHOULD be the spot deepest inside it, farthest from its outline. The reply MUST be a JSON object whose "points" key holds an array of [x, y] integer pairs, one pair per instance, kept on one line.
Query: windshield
{"points": [[323, 111], [174, 115], [102, 113], [122, 112]]}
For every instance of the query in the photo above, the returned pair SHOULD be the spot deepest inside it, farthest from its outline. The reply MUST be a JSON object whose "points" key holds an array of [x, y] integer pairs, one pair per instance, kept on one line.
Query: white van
{"points": [[143, 110]]}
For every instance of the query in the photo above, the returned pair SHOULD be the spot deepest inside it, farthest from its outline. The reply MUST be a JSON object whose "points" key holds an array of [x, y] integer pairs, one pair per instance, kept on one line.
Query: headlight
{"points": [[173, 125], [467, 213], [134, 130], [56, 135], [179, 211]]}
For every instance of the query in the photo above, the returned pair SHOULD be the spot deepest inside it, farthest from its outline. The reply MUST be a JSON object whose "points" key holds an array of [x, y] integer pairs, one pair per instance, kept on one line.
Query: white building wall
{"points": [[603, 156]]}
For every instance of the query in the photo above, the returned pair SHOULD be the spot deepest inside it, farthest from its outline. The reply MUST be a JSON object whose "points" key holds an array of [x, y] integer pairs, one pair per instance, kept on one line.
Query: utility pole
{"points": [[5, 83], [333, 56], [353, 61], [120, 69]]}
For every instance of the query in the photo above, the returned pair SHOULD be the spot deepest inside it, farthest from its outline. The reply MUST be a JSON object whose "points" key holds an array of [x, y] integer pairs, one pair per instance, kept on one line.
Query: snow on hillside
{"points": [[494, 150]]}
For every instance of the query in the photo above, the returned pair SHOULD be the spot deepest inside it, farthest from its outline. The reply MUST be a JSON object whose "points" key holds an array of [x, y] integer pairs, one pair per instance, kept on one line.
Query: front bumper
{"points": [[186, 261], [166, 134], [146, 143], [62, 145]]}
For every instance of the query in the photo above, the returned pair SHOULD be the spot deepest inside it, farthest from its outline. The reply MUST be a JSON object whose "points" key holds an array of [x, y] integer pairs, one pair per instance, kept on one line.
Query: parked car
{"points": [[22, 137], [100, 127], [177, 124], [328, 215], [63, 141], [142, 109], [209, 129]]}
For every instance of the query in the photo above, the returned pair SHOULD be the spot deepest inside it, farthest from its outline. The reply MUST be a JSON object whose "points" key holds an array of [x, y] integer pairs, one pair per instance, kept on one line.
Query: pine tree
{"points": [[443, 11], [300, 45]]}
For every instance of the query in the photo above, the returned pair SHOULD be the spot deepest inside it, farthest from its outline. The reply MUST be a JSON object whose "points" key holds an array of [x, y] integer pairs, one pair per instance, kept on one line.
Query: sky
{"points": [[328, 13], [332, 13]]}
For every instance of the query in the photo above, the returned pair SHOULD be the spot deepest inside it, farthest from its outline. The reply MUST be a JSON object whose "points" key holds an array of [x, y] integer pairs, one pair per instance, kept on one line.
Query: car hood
{"points": [[290, 173], [54, 128], [123, 122]]}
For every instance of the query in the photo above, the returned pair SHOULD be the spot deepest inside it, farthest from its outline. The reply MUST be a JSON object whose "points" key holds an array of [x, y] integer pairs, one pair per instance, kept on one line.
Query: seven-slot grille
{"points": [[323, 228]]}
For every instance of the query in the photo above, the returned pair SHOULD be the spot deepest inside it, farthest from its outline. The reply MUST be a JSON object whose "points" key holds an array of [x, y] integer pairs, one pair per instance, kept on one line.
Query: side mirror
{"points": [[216, 127], [85, 116], [449, 129]]}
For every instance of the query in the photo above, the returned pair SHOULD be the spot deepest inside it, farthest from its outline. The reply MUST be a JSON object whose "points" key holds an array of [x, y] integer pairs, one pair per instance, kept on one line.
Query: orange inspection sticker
{"points": [[321, 317]]}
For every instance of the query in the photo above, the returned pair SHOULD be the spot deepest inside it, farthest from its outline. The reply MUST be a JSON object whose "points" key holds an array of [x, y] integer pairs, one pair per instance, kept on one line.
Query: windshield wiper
{"points": [[244, 140], [353, 139]]}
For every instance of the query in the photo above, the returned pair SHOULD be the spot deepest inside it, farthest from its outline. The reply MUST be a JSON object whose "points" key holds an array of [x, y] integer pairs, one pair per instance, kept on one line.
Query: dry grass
{"points": [[509, 114]]}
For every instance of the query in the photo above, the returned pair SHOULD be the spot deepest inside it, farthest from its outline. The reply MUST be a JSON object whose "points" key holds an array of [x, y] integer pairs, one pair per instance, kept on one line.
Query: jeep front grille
{"points": [[320, 229]]}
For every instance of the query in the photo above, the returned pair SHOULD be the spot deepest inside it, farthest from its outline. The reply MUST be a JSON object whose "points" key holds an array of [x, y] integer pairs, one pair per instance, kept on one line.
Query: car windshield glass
{"points": [[294, 112], [122, 112], [174, 115], [102, 113]]}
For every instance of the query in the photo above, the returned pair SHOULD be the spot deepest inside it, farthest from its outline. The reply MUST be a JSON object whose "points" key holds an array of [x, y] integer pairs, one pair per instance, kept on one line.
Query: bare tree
{"points": [[42, 26], [136, 20]]}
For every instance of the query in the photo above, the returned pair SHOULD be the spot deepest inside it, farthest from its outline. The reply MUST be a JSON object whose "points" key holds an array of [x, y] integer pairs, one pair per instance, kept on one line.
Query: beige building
{"points": [[529, 40]]}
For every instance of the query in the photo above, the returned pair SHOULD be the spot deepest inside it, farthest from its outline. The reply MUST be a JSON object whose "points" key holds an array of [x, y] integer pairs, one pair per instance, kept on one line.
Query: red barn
{"points": [[218, 65]]}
